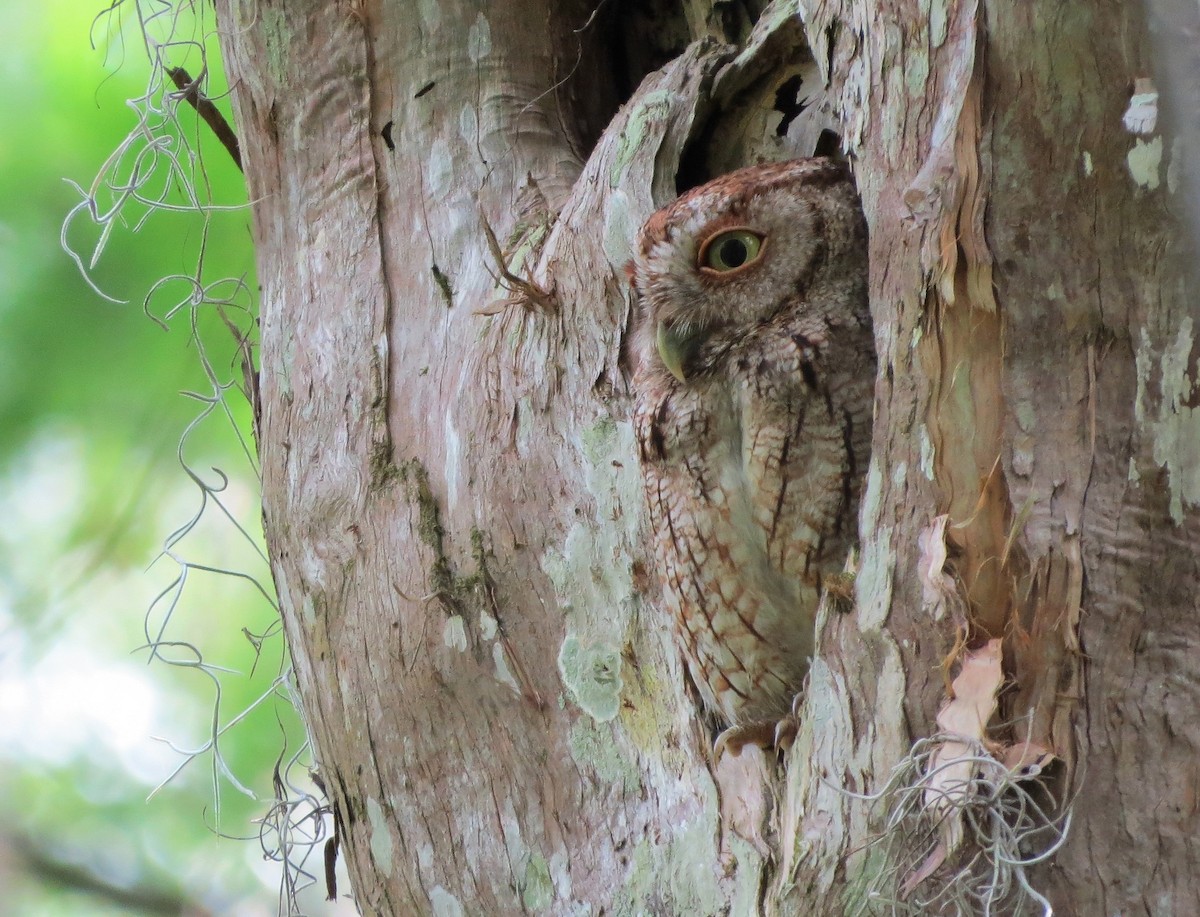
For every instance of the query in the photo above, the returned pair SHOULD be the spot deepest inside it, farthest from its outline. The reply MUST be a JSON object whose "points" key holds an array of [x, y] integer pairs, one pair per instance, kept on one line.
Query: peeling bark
{"points": [[450, 489], [1026, 289]]}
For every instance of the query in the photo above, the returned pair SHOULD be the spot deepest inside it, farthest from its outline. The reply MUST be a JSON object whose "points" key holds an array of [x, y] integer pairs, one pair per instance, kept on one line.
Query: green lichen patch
{"points": [[651, 109], [676, 877], [382, 848], [591, 578], [592, 673], [593, 749], [537, 888]]}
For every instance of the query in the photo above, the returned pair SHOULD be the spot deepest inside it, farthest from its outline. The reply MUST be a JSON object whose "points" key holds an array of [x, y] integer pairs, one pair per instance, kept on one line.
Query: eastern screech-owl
{"points": [[754, 375]]}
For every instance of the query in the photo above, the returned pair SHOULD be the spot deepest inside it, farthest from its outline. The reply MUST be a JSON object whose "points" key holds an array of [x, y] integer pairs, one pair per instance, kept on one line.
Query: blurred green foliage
{"points": [[91, 487], [69, 103]]}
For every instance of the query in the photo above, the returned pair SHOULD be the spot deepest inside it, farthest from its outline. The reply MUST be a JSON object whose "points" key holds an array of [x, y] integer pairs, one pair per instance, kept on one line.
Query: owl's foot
{"points": [[735, 738], [769, 735]]}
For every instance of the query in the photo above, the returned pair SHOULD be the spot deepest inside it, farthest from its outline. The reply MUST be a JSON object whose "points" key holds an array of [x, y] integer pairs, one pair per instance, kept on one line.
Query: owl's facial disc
{"points": [[727, 253], [677, 345]]}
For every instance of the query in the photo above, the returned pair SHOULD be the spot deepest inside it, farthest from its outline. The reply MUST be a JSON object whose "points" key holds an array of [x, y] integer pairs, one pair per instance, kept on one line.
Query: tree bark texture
{"points": [[450, 489]]}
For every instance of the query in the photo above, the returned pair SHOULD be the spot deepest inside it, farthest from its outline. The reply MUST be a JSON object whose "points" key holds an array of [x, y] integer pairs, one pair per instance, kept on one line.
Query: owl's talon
{"points": [[735, 738], [772, 735], [785, 732]]}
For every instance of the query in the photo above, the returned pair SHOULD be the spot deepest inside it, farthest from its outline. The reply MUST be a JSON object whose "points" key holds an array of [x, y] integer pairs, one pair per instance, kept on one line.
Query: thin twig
{"points": [[208, 111]]}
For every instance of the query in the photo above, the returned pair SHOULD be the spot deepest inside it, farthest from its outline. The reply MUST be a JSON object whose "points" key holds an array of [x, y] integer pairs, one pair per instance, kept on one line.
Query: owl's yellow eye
{"points": [[730, 250]]}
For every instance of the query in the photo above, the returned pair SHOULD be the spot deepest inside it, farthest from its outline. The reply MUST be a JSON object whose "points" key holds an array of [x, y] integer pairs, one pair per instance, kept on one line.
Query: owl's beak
{"points": [[677, 345]]}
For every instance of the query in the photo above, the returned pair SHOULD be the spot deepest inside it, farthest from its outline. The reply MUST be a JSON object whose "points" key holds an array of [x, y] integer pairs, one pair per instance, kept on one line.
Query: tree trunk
{"points": [[452, 499]]}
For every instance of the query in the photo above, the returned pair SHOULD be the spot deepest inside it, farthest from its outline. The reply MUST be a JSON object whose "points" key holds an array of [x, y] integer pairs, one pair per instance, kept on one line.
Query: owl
{"points": [[754, 373]]}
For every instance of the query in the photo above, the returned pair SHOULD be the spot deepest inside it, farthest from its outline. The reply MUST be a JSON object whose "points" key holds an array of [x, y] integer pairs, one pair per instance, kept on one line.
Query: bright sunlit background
{"points": [[95, 399]]}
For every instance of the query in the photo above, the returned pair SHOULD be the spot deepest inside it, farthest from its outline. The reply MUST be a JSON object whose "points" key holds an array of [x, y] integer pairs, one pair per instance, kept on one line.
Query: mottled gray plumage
{"points": [[754, 370]]}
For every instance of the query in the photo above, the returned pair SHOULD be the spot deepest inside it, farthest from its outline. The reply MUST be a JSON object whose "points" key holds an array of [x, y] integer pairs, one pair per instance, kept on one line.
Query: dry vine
{"points": [[159, 169], [1009, 823]]}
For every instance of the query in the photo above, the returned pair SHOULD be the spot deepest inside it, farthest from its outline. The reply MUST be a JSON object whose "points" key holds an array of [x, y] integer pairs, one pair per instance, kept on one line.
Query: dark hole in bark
{"points": [[831, 37], [733, 20], [607, 49], [829, 144], [693, 163], [727, 134], [788, 104]]}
